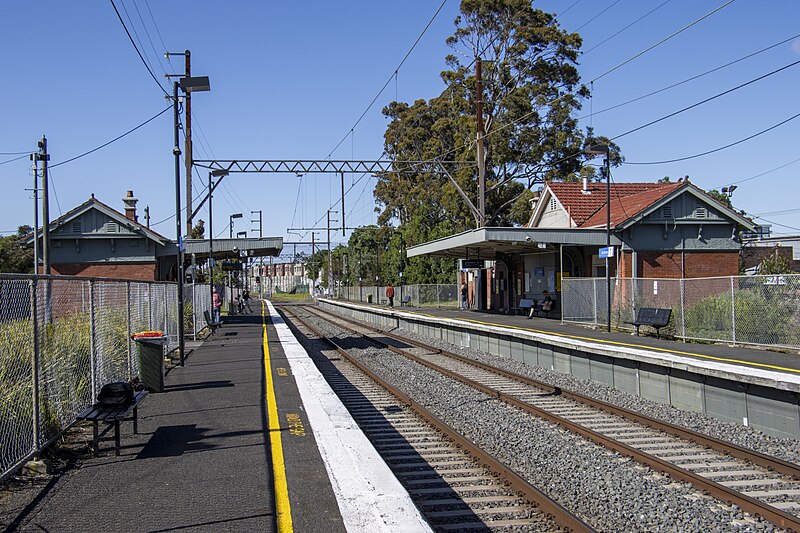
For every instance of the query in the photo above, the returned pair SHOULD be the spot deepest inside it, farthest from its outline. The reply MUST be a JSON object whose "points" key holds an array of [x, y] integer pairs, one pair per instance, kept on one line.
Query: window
{"points": [[553, 204]]}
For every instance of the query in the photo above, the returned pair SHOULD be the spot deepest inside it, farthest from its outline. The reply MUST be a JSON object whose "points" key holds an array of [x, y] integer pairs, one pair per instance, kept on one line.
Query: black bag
{"points": [[117, 394]]}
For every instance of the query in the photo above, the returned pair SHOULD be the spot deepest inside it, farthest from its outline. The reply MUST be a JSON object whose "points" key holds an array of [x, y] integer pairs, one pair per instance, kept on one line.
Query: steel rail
{"points": [[721, 492], [548, 506]]}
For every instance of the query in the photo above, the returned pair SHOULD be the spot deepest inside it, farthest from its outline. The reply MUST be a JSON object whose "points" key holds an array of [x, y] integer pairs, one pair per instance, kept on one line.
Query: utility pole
{"points": [[44, 157], [187, 158], [330, 257], [187, 134], [35, 213], [481, 150], [147, 215]]}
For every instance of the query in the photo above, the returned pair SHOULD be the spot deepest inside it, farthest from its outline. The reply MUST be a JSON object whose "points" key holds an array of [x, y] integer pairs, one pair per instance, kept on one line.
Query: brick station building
{"points": [[658, 230]]}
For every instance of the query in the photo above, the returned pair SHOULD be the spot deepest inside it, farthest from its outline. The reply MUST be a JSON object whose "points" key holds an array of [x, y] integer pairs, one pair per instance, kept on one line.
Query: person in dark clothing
{"points": [[463, 295]]}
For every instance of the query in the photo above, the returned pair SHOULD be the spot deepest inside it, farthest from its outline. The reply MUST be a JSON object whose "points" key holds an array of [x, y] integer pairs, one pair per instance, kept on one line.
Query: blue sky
{"points": [[290, 79]]}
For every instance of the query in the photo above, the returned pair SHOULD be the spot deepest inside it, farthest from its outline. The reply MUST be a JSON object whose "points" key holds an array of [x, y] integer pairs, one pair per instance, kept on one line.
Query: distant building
{"points": [[96, 240]]}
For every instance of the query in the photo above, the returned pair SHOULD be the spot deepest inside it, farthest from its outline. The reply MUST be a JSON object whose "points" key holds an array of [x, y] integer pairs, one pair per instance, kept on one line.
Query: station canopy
{"points": [[264, 247], [485, 243]]}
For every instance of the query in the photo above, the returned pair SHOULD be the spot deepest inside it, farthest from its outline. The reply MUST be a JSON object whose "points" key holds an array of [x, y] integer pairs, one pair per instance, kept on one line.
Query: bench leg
{"points": [[95, 438], [116, 438], [637, 330]]}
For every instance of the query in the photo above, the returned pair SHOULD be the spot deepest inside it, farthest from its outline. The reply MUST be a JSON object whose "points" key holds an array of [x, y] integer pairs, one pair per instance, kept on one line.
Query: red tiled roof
{"points": [[625, 208], [627, 200]]}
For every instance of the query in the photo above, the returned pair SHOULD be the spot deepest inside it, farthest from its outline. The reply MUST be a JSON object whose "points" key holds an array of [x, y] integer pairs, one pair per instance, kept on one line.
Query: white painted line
{"points": [[369, 495]]}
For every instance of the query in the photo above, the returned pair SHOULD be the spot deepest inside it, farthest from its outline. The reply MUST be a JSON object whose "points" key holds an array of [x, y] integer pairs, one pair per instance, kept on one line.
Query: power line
{"points": [[14, 159], [596, 16], [662, 41], [428, 25], [144, 62], [113, 140], [715, 149], [692, 78], [604, 41], [718, 95], [759, 175], [15, 153], [776, 224]]}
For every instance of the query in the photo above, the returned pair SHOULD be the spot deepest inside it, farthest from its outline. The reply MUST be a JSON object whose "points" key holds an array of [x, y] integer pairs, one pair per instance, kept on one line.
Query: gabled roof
{"points": [[94, 203], [630, 202], [626, 207], [581, 206]]}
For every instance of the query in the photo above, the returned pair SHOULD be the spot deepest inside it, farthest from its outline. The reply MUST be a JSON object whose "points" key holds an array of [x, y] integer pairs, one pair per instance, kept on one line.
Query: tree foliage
{"points": [[15, 256], [199, 230]]}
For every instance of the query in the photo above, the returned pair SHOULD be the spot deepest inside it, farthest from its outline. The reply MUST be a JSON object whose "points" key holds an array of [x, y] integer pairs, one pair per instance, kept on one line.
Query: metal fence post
{"points": [[149, 306], [594, 294], [130, 327], [92, 340], [37, 437], [733, 309], [194, 313], [683, 310]]}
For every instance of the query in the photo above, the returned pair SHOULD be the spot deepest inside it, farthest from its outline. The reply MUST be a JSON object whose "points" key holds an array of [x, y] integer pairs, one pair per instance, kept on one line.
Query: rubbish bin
{"points": [[369, 298], [151, 362]]}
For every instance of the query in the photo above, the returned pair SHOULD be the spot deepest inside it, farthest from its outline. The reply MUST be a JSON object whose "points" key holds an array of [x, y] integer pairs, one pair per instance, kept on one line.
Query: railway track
{"points": [[758, 484], [456, 486]]}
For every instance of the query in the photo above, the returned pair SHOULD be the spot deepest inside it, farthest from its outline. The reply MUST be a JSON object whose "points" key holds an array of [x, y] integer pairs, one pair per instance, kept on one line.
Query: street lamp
{"points": [[213, 174], [188, 85], [728, 191], [235, 215], [602, 149]]}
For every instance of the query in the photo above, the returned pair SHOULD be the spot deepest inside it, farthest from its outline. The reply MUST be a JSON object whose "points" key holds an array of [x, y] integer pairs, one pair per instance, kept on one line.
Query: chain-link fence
{"points": [[432, 295], [757, 310], [61, 339]]}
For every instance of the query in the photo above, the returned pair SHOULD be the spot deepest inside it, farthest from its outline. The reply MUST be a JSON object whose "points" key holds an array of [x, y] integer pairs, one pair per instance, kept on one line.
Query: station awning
{"points": [[485, 243], [265, 247]]}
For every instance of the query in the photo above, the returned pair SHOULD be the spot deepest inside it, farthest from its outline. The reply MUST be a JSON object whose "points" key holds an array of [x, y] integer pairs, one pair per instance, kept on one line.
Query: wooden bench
{"points": [[112, 416], [210, 323], [651, 316], [525, 305], [406, 300]]}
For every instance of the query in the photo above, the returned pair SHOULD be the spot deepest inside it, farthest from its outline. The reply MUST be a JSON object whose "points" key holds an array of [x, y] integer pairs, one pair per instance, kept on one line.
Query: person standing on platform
{"points": [[463, 295], [390, 294], [246, 298], [216, 304]]}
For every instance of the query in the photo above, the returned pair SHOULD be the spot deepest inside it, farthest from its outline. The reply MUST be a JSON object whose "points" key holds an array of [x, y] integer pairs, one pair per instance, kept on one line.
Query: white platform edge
{"points": [[369, 495]]}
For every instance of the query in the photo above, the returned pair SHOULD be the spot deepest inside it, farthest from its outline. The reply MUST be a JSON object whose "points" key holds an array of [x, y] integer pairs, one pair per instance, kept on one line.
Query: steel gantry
{"points": [[341, 167]]}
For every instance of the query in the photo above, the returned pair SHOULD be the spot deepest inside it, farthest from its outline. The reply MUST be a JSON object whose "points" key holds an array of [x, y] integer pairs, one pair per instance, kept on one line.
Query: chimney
{"points": [[586, 186], [130, 206]]}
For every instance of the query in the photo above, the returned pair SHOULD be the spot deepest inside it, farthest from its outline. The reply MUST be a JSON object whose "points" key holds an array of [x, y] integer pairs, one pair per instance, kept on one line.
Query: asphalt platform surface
{"points": [[202, 458]]}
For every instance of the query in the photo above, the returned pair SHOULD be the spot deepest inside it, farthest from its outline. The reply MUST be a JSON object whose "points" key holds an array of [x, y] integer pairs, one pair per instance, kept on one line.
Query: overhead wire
{"points": [[383, 88], [662, 41], [112, 140], [740, 141], [759, 175], [144, 62], [14, 159], [604, 41]]}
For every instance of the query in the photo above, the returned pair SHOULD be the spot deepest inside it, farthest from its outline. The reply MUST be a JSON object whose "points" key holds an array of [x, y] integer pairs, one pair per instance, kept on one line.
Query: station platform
{"points": [[747, 360], [246, 437]]}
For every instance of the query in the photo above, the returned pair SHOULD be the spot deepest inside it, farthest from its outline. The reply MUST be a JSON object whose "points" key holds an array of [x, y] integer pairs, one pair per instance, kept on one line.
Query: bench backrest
{"points": [[207, 316], [526, 302], [654, 316]]}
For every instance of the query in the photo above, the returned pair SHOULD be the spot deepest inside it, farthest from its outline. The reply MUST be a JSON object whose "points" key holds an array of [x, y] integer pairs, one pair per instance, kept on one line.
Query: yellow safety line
{"points": [[618, 343], [282, 506]]}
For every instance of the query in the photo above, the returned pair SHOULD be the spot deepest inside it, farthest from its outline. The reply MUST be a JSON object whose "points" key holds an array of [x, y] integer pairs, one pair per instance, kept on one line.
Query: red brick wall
{"points": [[696, 264], [137, 271]]}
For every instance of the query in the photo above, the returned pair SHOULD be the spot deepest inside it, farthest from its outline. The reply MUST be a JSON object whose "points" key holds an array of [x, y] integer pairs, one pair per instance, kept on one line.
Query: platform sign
{"points": [[228, 265], [606, 252], [474, 263]]}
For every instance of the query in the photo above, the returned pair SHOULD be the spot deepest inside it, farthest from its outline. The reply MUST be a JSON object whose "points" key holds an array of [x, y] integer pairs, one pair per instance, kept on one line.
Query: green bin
{"points": [[151, 362]]}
